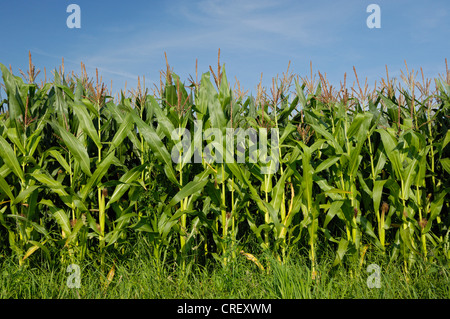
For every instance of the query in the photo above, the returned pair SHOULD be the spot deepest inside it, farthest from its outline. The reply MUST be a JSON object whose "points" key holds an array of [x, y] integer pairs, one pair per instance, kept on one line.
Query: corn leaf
{"points": [[75, 147], [7, 154], [86, 123]]}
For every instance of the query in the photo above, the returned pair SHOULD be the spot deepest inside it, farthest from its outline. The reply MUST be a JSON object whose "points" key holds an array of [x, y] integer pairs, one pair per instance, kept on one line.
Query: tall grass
{"points": [[83, 173], [136, 277]]}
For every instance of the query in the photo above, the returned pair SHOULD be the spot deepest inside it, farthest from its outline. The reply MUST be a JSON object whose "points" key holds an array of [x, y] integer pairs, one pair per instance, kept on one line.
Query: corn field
{"points": [[84, 171]]}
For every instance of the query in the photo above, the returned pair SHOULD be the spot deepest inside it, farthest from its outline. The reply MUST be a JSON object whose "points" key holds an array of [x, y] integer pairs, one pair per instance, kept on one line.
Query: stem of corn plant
{"points": [[182, 207], [352, 187], [71, 186], [350, 231], [142, 161], [354, 225], [404, 224], [381, 230], [232, 216], [223, 209], [23, 187], [380, 219], [224, 215], [283, 195], [313, 251], [422, 235], [349, 236], [430, 141], [101, 197], [266, 215], [371, 161]]}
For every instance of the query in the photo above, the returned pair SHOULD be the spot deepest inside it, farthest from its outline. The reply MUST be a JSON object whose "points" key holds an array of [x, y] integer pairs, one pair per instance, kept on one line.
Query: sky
{"points": [[127, 39]]}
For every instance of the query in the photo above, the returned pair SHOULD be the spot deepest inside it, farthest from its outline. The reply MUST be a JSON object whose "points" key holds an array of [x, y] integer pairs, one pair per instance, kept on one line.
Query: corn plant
{"points": [[203, 171]]}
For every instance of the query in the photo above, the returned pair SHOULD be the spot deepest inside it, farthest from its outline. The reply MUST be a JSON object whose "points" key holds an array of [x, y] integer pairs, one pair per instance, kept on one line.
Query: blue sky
{"points": [[127, 39]]}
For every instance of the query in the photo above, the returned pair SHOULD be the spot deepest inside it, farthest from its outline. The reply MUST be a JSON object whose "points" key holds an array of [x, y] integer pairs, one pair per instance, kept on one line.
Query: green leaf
{"points": [[93, 181], [12, 135], [278, 190], [7, 154], [71, 200], [422, 165], [307, 178], [61, 105], [36, 246], [405, 235], [187, 190], [216, 113], [123, 130], [360, 126], [126, 181], [4, 171], [390, 146], [36, 226], [156, 145], [75, 147], [329, 137], [163, 121], [408, 176], [92, 223], [300, 94], [23, 195], [377, 193], [123, 220], [327, 163], [5, 188], [16, 106], [367, 227], [380, 163], [342, 249], [332, 211], [89, 104], [206, 89], [86, 123], [437, 203], [262, 205], [61, 218], [48, 181], [61, 160], [144, 225], [445, 162], [446, 139], [73, 234]]}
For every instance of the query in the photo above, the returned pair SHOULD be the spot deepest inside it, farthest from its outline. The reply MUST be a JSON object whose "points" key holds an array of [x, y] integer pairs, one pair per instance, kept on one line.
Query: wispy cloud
{"points": [[274, 27], [262, 24], [254, 36], [278, 29], [91, 66]]}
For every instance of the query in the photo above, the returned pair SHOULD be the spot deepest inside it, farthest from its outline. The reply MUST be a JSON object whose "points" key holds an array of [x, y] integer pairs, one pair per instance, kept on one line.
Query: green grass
{"points": [[139, 275]]}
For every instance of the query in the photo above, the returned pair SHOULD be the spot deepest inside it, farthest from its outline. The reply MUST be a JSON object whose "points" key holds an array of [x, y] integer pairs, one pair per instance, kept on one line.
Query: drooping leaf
{"points": [[7, 154], [75, 147]]}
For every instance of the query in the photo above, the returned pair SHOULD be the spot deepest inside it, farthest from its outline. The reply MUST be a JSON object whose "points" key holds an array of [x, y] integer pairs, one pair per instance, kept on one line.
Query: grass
{"points": [[139, 275]]}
